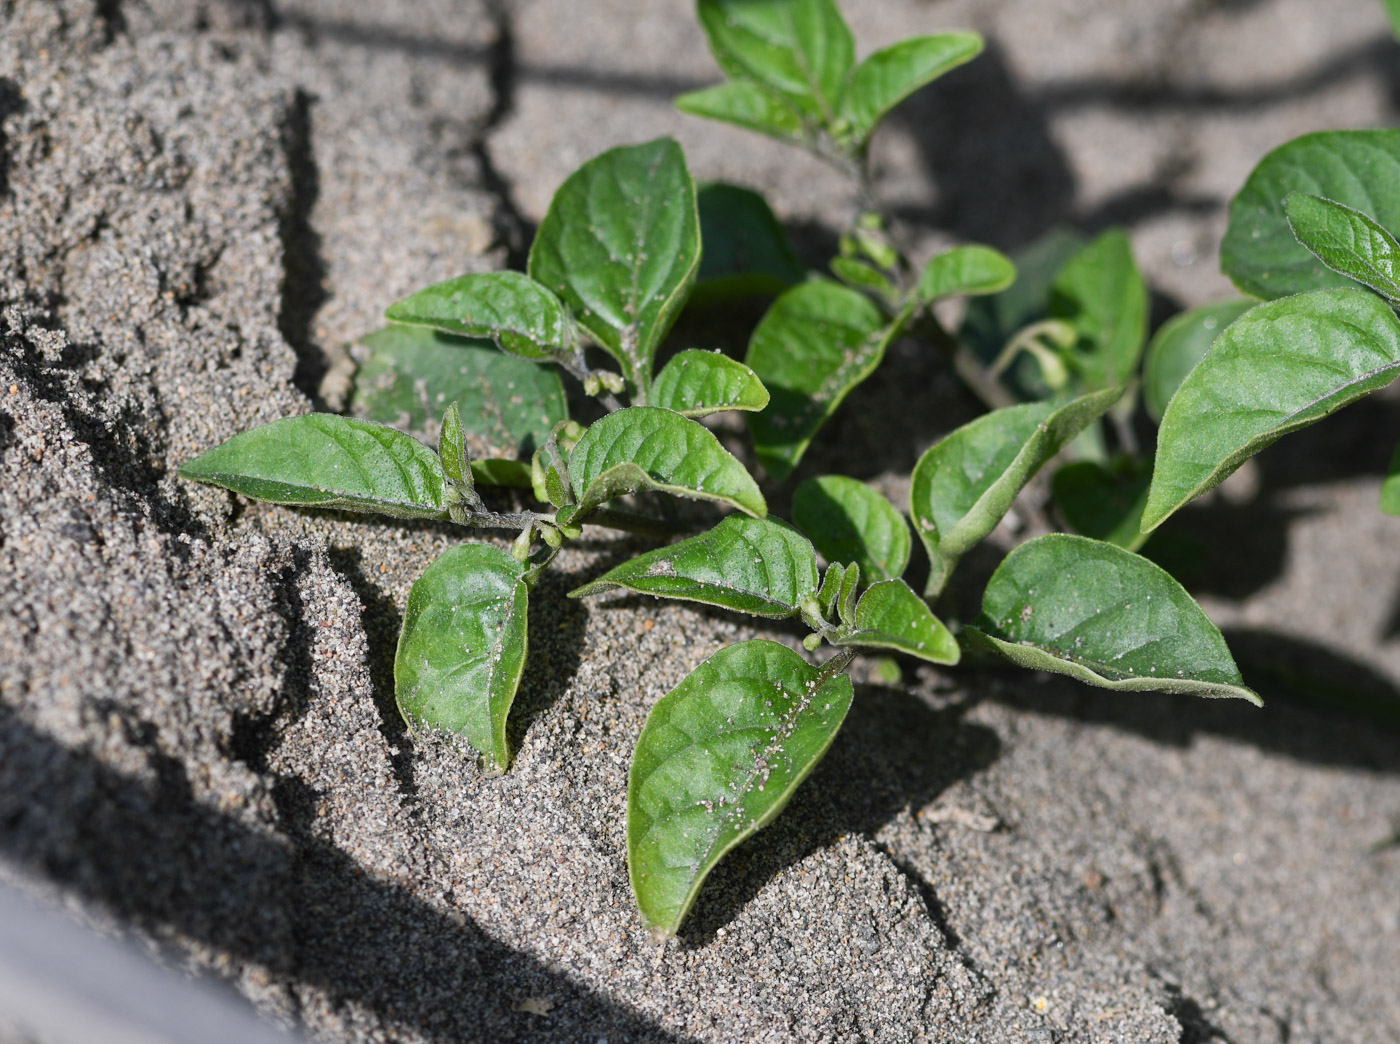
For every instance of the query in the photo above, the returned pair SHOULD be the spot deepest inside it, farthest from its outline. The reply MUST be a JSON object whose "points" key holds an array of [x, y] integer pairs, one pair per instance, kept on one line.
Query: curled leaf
{"points": [[891, 616]]}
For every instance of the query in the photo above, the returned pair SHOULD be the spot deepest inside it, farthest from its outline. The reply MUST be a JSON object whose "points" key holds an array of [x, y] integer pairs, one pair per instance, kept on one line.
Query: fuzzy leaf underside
{"points": [[888, 76], [462, 648], [696, 383], [850, 522], [1178, 346], [890, 615], [521, 316], [717, 760]]}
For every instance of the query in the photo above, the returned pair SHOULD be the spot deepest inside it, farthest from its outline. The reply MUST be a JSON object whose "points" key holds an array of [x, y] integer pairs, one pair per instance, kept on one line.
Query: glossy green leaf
{"points": [[966, 270], [1102, 295], [696, 383], [746, 252], [1359, 169], [508, 406], [1390, 488], [510, 308], [849, 522], [964, 484], [745, 105], [1104, 616], [817, 342], [620, 245], [462, 647], [890, 75], [1346, 241], [1178, 346], [324, 460], [1104, 501], [1276, 369], [647, 448], [802, 49], [751, 565], [717, 760], [891, 616]]}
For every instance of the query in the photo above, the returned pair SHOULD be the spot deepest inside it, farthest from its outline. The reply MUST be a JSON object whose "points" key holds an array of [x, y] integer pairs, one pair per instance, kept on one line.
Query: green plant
{"points": [[1053, 345]]}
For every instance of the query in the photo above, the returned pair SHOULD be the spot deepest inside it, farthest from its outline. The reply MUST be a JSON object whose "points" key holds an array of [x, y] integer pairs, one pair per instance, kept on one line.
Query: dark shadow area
{"points": [[11, 102], [298, 906], [550, 665], [304, 283]]}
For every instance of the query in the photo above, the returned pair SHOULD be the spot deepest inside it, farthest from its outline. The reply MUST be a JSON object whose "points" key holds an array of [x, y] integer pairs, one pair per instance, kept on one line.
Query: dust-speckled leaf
{"points": [[888, 76], [647, 448], [801, 49], [1104, 501], [1178, 346], [817, 342], [717, 760], [620, 245], [324, 460], [1390, 488], [752, 565], [746, 252], [891, 616], [697, 383], [1276, 369], [1346, 241], [462, 647], [1101, 294], [745, 105], [1359, 169], [1105, 616], [521, 316], [966, 270], [508, 405], [964, 484], [849, 522]]}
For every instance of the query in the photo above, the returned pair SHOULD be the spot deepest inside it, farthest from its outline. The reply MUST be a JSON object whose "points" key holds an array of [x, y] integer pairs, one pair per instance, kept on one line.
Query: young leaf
{"points": [[620, 245], [1390, 488], [1105, 616], [1358, 169], [697, 383], [452, 448], [745, 105], [891, 616], [966, 270], [829, 594], [1276, 369], [964, 484], [462, 647], [817, 342], [751, 565], [647, 448], [849, 522], [1346, 241], [889, 76], [508, 406], [801, 49], [864, 276], [1178, 346], [717, 760], [1101, 294], [846, 594], [1104, 501], [746, 252], [510, 308], [329, 461]]}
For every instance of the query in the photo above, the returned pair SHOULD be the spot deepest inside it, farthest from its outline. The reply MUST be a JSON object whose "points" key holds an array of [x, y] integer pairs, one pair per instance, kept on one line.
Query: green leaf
{"points": [[889, 76], [817, 342], [452, 448], [508, 406], [1392, 11], [745, 105], [620, 245], [846, 594], [1346, 241], [1390, 488], [1359, 169], [1101, 294], [864, 276], [324, 460], [964, 484], [829, 594], [746, 252], [849, 522], [1104, 501], [717, 760], [1178, 346], [646, 448], [462, 647], [510, 308], [891, 616], [1276, 369], [801, 49], [751, 565], [966, 270], [1105, 616], [696, 383]]}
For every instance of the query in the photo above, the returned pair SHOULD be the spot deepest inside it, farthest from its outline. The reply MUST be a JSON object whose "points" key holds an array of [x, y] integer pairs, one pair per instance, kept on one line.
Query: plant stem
{"points": [[577, 367]]}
